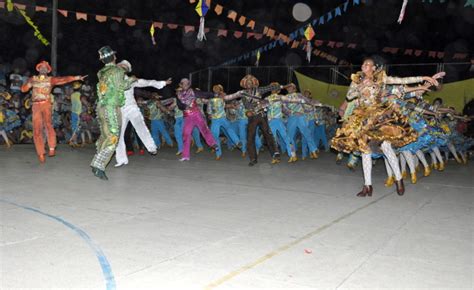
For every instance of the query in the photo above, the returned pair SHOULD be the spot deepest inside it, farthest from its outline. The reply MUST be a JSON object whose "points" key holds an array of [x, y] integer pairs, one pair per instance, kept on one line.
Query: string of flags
{"points": [[291, 39], [154, 25], [21, 10]]}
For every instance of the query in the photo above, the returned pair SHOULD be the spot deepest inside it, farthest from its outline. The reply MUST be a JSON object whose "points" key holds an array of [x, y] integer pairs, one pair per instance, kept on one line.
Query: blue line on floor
{"points": [[104, 263]]}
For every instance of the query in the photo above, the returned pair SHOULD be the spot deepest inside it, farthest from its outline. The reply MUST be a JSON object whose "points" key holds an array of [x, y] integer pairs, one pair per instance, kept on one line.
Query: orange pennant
{"points": [[63, 12], [80, 16], [20, 6], [41, 8], [251, 24], [188, 28], [130, 22], [232, 15], [242, 20], [218, 9], [101, 18], [158, 24], [270, 33], [172, 26]]}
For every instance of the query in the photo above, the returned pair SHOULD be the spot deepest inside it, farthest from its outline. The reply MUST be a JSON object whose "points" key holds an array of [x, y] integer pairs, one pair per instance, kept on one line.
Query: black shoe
{"points": [[252, 163], [94, 170], [276, 155], [100, 174]]}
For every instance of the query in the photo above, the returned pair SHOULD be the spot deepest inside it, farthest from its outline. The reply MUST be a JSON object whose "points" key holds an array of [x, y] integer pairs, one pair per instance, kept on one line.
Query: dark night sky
{"points": [[443, 27]]}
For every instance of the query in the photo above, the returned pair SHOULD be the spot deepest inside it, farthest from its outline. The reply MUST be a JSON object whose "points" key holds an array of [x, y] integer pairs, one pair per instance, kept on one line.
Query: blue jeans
{"points": [[320, 136], [74, 123], [279, 131], [158, 128], [299, 123], [178, 134], [223, 123]]}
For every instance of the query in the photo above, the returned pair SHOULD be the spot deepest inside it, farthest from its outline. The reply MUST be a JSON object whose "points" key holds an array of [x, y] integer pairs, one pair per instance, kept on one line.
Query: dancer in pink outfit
{"points": [[186, 101]]}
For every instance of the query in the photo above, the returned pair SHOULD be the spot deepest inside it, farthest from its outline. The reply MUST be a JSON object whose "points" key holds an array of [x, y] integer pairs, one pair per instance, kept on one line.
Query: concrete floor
{"points": [[206, 224]]}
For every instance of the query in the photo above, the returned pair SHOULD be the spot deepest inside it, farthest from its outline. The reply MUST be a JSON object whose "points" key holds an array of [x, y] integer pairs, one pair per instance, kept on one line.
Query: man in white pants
{"points": [[131, 112]]}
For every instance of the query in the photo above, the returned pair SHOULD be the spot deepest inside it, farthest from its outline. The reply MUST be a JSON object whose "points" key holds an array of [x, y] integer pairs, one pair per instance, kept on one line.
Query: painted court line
{"points": [[262, 259], [104, 263]]}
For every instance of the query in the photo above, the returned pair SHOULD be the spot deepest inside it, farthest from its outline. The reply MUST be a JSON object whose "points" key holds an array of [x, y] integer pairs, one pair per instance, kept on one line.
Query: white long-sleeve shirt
{"points": [[140, 83]]}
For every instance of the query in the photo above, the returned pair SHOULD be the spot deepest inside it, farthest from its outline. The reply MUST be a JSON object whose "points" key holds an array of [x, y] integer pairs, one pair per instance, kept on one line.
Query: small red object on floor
{"points": [[130, 153], [308, 251], [141, 152]]}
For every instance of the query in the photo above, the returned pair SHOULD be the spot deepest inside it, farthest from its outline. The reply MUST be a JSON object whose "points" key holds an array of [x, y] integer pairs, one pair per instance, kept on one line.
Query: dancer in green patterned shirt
{"points": [[110, 91]]}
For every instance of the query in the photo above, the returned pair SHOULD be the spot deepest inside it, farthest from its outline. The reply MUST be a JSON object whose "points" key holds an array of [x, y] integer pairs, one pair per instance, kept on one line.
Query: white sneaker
{"points": [[184, 159], [121, 164]]}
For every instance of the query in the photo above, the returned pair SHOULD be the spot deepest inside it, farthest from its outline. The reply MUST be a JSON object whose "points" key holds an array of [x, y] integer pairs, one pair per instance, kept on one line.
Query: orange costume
{"points": [[42, 107]]}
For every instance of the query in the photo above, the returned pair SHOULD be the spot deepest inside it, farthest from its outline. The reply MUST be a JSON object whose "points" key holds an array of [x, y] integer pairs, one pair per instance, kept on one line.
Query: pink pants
{"points": [[191, 121]]}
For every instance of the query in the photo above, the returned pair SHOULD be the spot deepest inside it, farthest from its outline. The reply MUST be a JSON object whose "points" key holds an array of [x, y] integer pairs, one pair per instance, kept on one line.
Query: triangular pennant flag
{"points": [[258, 36], [440, 54], [172, 26], [337, 11], [2, 5], [101, 18], [242, 20], [158, 25], [329, 17], [80, 15], [270, 32], [251, 24], [356, 2], [418, 52], [321, 20], [188, 28], [351, 45], [331, 44], [41, 9], [222, 32], [339, 44], [130, 21], [432, 54], [118, 19], [318, 42], [238, 34], [250, 34], [218, 9], [346, 4], [20, 6], [232, 15], [408, 52], [460, 55]]}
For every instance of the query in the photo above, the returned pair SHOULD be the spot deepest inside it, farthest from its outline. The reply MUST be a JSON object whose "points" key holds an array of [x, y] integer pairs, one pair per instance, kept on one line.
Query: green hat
{"points": [[105, 52]]}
